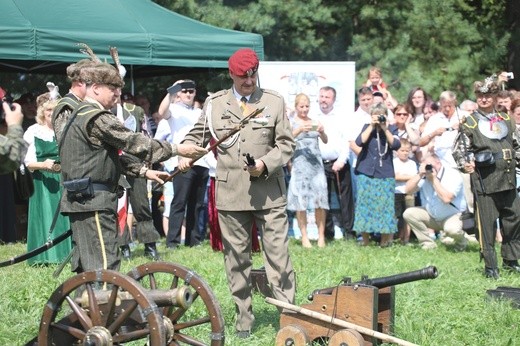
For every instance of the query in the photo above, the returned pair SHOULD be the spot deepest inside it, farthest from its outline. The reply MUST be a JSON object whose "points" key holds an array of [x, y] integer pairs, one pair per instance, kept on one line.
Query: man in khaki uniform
{"points": [[249, 193]]}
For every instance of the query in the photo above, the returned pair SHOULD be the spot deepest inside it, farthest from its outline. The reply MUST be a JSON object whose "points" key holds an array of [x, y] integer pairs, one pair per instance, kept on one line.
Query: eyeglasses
{"points": [[188, 91], [402, 114]]}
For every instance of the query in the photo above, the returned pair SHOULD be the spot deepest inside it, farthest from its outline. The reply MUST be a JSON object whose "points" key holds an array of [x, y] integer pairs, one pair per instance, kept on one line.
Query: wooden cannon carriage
{"points": [[353, 314], [162, 303]]}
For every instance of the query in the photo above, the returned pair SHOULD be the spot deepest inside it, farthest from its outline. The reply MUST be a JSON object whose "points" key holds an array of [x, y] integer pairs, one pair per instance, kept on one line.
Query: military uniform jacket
{"points": [[91, 149], [267, 137], [12, 149], [491, 134]]}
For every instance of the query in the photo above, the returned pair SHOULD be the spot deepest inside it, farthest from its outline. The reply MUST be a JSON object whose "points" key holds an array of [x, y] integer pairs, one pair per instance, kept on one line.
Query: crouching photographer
{"points": [[442, 200]]}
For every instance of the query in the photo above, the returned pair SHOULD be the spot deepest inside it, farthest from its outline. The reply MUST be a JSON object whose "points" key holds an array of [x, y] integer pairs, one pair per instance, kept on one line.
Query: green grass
{"points": [[452, 309]]}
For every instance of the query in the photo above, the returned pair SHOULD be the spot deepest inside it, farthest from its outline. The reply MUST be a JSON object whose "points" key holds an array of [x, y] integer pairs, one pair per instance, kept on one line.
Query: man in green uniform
{"points": [[93, 138], [12, 145], [486, 148], [132, 117], [252, 192]]}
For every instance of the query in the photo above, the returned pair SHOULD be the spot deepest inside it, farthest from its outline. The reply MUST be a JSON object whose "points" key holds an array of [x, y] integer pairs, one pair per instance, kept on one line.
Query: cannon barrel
{"points": [[386, 281]]}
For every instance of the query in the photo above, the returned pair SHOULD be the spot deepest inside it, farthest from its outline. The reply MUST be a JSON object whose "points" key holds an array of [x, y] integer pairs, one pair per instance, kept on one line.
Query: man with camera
{"points": [[12, 145], [189, 188], [442, 197]]}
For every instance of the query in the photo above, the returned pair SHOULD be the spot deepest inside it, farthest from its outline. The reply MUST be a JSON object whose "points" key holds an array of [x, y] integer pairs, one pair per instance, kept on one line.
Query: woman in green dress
{"points": [[43, 160]]}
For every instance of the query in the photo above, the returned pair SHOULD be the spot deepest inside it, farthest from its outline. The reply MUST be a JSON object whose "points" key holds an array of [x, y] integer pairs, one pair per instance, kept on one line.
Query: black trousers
{"points": [[346, 199], [506, 206], [138, 199], [189, 190]]}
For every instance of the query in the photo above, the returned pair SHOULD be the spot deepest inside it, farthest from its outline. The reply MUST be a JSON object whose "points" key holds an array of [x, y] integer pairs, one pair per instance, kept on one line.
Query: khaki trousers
{"points": [[236, 237], [419, 220]]}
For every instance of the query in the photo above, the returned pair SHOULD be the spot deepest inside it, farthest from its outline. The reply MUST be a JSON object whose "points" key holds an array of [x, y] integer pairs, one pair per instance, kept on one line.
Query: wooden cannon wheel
{"points": [[346, 337], [291, 335], [202, 317], [111, 321]]}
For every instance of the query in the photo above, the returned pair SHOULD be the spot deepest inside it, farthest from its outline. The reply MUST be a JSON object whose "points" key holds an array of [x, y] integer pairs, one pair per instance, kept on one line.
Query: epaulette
{"points": [[219, 94], [272, 92], [504, 116], [470, 122], [87, 109], [68, 101], [129, 106]]}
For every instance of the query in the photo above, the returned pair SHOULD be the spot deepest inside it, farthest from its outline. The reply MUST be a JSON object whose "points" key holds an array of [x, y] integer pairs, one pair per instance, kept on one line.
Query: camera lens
{"points": [[381, 118], [429, 168]]}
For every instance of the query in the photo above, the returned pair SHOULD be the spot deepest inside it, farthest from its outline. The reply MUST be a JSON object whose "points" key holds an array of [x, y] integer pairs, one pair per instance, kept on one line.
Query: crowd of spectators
{"points": [[366, 161]]}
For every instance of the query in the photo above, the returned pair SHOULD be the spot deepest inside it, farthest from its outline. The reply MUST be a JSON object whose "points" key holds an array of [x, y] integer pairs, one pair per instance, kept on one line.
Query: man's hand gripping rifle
{"points": [[231, 132]]}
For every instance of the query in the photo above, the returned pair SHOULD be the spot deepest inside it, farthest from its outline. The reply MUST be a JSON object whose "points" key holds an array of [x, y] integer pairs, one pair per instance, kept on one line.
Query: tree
{"points": [[435, 44]]}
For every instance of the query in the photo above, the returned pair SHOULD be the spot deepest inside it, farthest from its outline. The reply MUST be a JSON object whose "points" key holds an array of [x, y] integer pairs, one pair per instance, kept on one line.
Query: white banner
{"points": [[290, 78]]}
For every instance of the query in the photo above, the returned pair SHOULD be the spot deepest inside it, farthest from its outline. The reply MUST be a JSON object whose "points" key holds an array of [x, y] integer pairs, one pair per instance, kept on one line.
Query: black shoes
{"points": [[125, 252], [511, 266], [491, 273], [151, 251]]}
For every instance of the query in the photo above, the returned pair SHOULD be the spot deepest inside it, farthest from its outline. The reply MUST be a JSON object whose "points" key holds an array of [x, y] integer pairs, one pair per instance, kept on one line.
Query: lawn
{"points": [[452, 309]]}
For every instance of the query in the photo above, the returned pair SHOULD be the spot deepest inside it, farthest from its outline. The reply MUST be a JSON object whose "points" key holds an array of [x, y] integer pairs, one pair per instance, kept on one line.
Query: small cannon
{"points": [[343, 313], [159, 301]]}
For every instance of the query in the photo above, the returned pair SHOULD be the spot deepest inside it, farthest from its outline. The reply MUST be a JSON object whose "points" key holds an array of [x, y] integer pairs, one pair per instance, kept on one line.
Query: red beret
{"points": [[243, 62]]}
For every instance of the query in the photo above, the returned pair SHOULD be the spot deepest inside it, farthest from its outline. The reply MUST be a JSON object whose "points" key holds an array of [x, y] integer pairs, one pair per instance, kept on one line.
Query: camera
{"points": [[510, 75], [381, 118], [428, 168], [4, 97]]}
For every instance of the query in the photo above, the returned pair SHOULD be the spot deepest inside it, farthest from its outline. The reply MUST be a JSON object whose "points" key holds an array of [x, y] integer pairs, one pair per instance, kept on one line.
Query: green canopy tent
{"points": [[41, 36]]}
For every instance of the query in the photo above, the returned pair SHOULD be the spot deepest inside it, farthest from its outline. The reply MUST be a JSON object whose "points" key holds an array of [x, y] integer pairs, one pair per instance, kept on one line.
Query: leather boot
{"points": [[125, 252], [491, 273], [151, 251]]}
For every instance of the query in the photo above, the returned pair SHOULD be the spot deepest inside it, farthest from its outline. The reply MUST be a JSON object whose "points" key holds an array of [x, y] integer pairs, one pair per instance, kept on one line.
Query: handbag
{"points": [[23, 183]]}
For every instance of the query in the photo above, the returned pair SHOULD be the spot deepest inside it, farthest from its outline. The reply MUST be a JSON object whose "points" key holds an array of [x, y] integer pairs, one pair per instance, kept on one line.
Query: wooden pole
{"points": [[339, 322]]}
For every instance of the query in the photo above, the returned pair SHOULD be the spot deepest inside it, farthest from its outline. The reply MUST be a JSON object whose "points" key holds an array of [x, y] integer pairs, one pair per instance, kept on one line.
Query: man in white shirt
{"points": [[442, 128], [189, 188], [442, 199], [335, 161]]}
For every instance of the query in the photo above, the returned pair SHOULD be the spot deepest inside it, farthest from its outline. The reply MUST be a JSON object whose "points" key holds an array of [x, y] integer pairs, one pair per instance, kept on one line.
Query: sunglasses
{"points": [[188, 91], [403, 114]]}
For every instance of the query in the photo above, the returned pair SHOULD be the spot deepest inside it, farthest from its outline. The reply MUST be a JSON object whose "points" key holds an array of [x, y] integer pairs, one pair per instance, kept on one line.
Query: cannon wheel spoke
{"points": [[88, 305], [203, 317]]}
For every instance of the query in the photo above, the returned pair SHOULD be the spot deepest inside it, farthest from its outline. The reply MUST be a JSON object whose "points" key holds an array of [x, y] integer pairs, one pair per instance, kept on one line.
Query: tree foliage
{"points": [[436, 44]]}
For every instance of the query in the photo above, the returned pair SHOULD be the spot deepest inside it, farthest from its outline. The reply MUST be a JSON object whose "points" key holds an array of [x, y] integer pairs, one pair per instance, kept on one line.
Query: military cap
{"points": [[244, 62]]}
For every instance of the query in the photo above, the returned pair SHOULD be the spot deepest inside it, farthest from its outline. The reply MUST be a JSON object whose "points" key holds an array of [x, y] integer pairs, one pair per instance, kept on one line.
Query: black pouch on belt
{"points": [[484, 159], [79, 189]]}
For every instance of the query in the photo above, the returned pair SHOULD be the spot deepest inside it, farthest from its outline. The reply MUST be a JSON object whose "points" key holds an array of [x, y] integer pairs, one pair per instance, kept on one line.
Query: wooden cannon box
{"points": [[363, 305]]}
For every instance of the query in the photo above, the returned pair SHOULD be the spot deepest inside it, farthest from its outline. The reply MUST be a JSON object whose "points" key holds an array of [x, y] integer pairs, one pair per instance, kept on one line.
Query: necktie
{"points": [[243, 105]]}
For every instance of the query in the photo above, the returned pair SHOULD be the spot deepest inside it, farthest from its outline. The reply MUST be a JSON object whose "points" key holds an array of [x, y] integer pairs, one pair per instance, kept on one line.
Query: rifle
{"points": [[231, 132]]}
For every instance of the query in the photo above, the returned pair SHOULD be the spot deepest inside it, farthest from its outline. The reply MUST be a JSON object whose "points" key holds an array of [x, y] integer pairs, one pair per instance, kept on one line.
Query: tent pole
{"points": [[132, 85]]}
